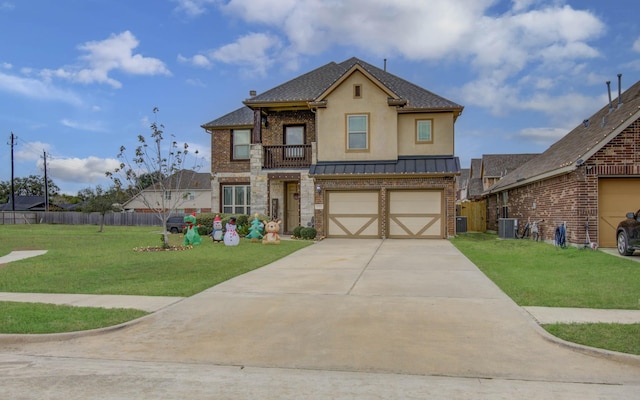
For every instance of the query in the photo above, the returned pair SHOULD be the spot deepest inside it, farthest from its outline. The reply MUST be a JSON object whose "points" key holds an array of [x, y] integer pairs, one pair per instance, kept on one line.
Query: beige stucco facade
{"points": [[332, 121], [442, 131]]}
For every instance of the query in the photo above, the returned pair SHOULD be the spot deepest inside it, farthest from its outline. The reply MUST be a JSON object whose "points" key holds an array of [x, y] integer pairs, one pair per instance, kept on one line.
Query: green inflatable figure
{"points": [[192, 236]]}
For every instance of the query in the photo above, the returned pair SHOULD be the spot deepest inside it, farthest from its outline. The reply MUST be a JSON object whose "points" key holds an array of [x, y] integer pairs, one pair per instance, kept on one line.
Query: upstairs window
{"points": [[294, 135], [241, 142], [424, 131], [357, 132]]}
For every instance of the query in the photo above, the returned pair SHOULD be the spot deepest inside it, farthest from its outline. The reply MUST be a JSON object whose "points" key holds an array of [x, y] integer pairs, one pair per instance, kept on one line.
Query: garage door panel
{"points": [[416, 225], [415, 214], [616, 197], [353, 214]]}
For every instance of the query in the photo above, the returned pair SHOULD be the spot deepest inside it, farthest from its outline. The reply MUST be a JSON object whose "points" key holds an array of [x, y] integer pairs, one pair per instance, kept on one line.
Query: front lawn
{"points": [[81, 260], [540, 274]]}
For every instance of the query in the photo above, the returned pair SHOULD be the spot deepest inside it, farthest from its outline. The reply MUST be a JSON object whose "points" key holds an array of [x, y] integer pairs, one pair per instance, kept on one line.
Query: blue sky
{"points": [[80, 78]]}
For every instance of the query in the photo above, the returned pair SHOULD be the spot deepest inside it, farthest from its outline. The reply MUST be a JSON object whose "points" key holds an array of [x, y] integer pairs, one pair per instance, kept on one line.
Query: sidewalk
{"points": [[145, 303]]}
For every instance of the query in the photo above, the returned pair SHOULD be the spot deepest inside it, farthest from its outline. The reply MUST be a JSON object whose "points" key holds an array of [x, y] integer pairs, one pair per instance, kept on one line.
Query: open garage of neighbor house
{"points": [[616, 197]]}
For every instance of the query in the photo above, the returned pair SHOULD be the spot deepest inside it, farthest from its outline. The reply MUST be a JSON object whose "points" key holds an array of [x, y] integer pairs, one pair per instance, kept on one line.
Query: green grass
{"points": [[617, 337], [540, 274], [33, 318], [81, 260]]}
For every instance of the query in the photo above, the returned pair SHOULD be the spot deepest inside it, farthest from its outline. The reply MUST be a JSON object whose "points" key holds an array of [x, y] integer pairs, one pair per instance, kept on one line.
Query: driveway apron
{"points": [[414, 307]]}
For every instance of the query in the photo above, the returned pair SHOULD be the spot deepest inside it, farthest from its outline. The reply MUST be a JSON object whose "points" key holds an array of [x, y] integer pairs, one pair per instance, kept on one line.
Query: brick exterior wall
{"points": [[572, 197], [221, 154], [274, 134], [447, 184]]}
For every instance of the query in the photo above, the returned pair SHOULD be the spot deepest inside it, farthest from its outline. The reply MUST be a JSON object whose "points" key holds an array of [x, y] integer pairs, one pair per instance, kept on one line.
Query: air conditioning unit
{"points": [[461, 224], [507, 228]]}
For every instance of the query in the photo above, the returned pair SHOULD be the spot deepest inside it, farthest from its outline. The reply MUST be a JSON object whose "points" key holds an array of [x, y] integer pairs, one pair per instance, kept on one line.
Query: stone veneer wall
{"points": [[383, 184]]}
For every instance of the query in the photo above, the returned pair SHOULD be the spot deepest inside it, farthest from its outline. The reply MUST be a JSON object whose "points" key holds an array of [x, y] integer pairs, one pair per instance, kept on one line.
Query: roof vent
{"points": [[253, 93], [585, 123], [609, 91], [619, 90]]}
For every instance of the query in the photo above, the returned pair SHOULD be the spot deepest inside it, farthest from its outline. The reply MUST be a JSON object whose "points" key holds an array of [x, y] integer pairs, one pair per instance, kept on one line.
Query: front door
{"points": [[292, 212]]}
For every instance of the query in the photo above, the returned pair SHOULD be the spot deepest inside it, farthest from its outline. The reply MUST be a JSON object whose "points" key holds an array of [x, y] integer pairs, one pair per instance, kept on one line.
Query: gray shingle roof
{"points": [[404, 165], [188, 179], [579, 144], [240, 117], [498, 165], [308, 87]]}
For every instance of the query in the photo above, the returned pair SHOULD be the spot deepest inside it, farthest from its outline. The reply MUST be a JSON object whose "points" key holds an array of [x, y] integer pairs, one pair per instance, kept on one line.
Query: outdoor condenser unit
{"points": [[507, 228]]}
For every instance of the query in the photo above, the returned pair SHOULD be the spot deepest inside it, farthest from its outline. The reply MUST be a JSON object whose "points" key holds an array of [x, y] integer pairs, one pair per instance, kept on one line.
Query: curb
{"points": [[24, 338], [630, 359]]}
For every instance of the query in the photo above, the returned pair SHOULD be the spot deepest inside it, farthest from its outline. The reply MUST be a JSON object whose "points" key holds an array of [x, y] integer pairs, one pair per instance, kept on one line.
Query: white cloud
{"points": [[30, 151], [36, 89], [252, 52], [198, 60], [80, 170], [6, 65], [636, 45], [91, 126], [193, 8], [103, 57]]}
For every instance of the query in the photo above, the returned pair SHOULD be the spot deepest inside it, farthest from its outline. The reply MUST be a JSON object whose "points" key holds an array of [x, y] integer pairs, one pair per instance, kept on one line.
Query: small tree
{"points": [[160, 170], [103, 201]]}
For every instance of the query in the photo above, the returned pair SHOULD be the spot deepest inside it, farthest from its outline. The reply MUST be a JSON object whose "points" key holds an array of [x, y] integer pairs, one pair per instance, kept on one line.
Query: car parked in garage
{"points": [[628, 235]]}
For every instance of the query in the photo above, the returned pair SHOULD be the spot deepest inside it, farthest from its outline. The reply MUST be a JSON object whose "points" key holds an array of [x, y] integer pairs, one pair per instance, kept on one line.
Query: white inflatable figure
{"points": [[217, 229], [231, 237]]}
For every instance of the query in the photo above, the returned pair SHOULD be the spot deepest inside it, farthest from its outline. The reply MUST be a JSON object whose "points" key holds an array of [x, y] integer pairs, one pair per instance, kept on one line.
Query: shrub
{"points": [[296, 232], [308, 233]]}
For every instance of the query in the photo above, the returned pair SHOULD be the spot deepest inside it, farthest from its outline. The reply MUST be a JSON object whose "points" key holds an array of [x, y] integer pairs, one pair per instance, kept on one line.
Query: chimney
{"points": [[619, 90], [253, 93], [609, 90]]}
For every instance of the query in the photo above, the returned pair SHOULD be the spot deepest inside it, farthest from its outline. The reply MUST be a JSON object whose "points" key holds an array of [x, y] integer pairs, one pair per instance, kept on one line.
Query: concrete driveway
{"points": [[339, 319]]}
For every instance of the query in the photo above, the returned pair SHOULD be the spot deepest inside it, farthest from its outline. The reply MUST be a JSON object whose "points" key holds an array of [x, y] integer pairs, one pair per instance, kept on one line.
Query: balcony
{"points": [[286, 156]]}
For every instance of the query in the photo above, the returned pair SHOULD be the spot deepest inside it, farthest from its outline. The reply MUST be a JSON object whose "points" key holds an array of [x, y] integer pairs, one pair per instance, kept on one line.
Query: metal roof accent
{"points": [[448, 165]]}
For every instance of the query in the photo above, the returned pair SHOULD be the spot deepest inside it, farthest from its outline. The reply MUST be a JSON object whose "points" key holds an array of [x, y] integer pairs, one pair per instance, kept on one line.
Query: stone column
{"points": [[259, 182]]}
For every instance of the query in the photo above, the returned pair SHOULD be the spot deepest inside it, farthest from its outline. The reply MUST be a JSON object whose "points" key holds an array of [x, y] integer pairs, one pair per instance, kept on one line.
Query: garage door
{"points": [[353, 214], [616, 197], [416, 214]]}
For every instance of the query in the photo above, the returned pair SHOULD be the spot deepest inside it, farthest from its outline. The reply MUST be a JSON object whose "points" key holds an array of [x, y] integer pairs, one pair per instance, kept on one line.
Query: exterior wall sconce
{"points": [[318, 189], [264, 121]]}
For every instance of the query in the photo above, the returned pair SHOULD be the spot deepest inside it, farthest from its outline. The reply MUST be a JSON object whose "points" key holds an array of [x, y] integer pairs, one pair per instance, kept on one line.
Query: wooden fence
{"points": [[78, 218], [476, 213]]}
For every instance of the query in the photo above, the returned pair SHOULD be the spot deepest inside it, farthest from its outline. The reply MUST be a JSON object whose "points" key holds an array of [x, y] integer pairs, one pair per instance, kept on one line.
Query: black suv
{"points": [[175, 224], [628, 234]]}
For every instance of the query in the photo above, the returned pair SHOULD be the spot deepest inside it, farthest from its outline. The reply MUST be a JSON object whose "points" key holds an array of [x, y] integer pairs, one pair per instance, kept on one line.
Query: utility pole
{"points": [[46, 184], [13, 189]]}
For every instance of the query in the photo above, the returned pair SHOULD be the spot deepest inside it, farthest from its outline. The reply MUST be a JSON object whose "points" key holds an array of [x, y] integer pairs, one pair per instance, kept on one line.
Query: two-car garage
{"points": [[385, 213]]}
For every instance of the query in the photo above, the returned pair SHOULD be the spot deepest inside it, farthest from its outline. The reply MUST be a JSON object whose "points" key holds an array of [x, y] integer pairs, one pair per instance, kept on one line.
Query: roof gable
{"points": [[314, 85], [580, 144]]}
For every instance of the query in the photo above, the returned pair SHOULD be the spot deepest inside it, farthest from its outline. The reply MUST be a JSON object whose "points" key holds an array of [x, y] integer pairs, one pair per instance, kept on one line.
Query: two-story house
{"points": [[350, 148]]}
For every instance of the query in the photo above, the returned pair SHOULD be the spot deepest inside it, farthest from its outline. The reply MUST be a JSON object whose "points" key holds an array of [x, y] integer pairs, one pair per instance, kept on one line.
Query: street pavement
{"points": [[371, 319]]}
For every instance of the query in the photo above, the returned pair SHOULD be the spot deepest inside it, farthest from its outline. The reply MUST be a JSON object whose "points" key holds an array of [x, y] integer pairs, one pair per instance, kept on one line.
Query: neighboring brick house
{"points": [[348, 147], [191, 192], [484, 173], [590, 176], [497, 166]]}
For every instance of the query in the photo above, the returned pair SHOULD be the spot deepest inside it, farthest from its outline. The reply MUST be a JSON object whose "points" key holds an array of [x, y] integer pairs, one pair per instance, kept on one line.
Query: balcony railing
{"points": [[287, 156]]}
